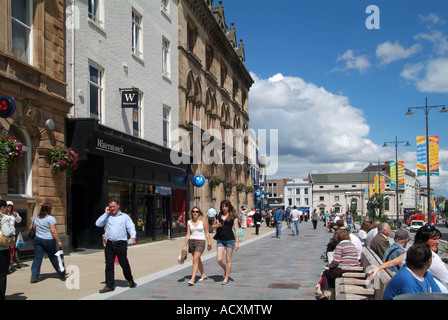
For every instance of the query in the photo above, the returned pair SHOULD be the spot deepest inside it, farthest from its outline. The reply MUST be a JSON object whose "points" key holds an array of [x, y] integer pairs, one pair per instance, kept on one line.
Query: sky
{"points": [[336, 79]]}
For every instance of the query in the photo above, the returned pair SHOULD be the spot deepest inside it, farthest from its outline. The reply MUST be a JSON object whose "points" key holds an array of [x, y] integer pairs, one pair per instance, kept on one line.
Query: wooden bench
{"points": [[353, 285]]}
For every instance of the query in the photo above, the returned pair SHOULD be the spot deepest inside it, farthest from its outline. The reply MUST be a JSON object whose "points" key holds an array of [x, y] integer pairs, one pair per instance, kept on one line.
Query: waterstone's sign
{"points": [[102, 145]]}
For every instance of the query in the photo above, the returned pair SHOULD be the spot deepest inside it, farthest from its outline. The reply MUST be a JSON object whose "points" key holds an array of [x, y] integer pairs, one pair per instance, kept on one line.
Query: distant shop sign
{"points": [[163, 190]]}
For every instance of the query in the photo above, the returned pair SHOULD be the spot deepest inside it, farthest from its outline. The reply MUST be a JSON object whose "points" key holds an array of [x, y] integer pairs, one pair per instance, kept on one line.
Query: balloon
{"points": [[258, 193], [198, 180]]}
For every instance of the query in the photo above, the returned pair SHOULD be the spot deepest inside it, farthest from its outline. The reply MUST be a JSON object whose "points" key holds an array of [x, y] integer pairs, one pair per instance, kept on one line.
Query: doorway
{"points": [[155, 213]]}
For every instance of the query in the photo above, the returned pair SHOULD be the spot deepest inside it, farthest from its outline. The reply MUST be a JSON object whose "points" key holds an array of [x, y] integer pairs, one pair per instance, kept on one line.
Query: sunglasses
{"points": [[195, 211]]}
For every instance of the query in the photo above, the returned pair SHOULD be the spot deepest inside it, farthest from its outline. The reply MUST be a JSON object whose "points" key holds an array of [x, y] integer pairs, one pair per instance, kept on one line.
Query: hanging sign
{"points": [[7, 106], [129, 98]]}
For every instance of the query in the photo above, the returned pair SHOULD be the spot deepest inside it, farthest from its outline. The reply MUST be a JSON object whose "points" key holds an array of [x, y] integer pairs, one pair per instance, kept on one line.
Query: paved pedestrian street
{"points": [[267, 268]]}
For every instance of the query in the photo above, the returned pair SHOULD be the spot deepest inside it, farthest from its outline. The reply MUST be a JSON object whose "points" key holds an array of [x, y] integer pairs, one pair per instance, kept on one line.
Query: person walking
{"points": [[197, 233], [8, 231], [257, 221], [47, 237], [278, 217], [314, 218], [295, 216], [211, 213], [117, 226], [226, 225], [14, 218], [349, 221]]}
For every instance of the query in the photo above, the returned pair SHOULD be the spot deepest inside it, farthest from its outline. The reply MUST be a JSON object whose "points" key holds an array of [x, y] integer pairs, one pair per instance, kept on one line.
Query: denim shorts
{"points": [[226, 243]]}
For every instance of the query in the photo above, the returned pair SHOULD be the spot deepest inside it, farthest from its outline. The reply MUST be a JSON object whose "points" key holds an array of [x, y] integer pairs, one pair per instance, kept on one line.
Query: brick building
{"points": [[32, 72]]}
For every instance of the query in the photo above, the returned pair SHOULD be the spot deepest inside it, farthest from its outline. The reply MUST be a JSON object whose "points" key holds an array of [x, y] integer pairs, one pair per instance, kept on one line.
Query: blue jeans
{"points": [[42, 246], [295, 228], [278, 230], [226, 243]]}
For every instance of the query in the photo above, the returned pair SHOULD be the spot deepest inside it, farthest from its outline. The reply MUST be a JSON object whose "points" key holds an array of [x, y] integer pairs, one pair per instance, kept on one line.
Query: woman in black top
{"points": [[226, 225]]}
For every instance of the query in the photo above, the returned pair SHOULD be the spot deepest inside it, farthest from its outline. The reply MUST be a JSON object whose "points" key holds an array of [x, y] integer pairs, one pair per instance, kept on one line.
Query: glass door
{"points": [[162, 217]]}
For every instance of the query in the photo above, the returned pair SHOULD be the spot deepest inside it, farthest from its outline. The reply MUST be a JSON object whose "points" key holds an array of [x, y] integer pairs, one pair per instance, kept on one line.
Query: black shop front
{"points": [[138, 173]]}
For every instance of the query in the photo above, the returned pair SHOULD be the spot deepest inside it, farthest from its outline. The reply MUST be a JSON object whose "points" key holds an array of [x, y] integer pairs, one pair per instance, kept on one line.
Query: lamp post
{"points": [[428, 180], [396, 143]]}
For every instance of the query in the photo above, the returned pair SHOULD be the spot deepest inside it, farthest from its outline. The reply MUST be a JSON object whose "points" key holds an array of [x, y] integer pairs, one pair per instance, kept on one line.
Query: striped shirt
{"points": [[345, 254]]}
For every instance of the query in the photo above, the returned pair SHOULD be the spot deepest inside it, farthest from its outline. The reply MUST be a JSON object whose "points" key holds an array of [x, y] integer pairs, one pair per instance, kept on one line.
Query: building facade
{"points": [[32, 72], [299, 193], [341, 192], [213, 102], [123, 82]]}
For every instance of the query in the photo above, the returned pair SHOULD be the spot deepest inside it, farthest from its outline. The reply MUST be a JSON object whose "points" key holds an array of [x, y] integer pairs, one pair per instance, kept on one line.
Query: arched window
{"points": [[387, 204], [354, 205], [19, 174]]}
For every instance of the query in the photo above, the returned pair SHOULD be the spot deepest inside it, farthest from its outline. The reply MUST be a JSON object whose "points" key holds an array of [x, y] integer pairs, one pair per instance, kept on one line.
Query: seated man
{"points": [[380, 243], [401, 239], [413, 277]]}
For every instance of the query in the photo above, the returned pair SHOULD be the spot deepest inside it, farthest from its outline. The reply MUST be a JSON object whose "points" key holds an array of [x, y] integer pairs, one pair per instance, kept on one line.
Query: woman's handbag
{"points": [[7, 241], [32, 233]]}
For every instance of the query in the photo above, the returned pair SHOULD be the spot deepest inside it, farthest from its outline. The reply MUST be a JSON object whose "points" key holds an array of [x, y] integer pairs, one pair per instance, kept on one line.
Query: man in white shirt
{"points": [[295, 216], [211, 213]]}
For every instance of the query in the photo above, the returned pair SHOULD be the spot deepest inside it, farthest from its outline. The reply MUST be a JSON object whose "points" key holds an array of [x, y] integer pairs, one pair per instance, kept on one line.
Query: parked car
{"points": [[416, 224]]}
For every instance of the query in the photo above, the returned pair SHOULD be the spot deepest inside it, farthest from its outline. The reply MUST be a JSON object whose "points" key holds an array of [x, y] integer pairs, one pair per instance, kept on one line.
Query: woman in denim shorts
{"points": [[226, 225]]}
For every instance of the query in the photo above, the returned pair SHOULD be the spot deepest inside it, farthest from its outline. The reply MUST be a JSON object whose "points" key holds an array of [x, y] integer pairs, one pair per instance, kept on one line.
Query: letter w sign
{"points": [[129, 99]]}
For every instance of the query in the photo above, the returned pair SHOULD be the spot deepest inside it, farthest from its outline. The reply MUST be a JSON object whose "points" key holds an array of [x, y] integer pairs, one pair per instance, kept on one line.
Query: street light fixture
{"points": [[396, 143], [428, 179]]}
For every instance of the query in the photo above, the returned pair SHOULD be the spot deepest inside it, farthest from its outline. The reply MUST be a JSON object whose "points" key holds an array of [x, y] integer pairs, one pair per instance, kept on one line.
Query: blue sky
{"points": [[335, 90]]}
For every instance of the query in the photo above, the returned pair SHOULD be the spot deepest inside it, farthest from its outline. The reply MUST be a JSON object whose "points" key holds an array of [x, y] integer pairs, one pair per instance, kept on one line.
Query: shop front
{"points": [[135, 172]]}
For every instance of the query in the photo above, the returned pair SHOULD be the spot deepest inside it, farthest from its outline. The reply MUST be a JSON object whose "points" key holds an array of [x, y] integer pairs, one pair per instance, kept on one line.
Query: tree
{"points": [[376, 206]]}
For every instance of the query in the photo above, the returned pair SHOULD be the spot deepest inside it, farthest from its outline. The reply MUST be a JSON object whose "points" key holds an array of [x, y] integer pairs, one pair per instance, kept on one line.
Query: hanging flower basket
{"points": [[11, 149], [240, 187], [249, 189], [63, 159], [228, 185], [214, 182]]}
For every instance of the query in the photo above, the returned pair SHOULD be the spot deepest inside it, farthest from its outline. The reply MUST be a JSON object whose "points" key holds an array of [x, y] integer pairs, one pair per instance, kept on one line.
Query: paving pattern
{"points": [[265, 269]]}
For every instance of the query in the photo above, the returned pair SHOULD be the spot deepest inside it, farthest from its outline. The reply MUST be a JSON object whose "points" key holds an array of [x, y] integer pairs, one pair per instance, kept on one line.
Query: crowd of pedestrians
{"points": [[416, 269]]}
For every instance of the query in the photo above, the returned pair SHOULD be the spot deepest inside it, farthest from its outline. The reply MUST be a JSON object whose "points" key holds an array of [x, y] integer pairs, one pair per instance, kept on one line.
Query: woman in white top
{"points": [[197, 233]]}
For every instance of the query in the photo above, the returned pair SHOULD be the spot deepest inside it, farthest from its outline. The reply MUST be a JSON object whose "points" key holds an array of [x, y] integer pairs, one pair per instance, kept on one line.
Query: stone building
{"points": [[213, 101], [32, 72]]}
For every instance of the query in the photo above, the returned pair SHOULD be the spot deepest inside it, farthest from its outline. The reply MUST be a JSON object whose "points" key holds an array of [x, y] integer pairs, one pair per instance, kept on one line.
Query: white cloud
{"points": [[316, 128], [437, 38], [351, 61], [389, 52], [430, 76], [320, 132], [431, 18]]}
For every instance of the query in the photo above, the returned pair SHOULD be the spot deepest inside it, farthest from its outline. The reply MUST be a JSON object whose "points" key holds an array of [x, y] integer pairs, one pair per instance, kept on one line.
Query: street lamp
{"points": [[410, 113], [396, 143]]}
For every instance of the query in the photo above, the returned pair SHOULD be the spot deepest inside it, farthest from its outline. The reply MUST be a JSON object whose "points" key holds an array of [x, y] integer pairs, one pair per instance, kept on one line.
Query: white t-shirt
{"points": [[295, 215], [197, 232]]}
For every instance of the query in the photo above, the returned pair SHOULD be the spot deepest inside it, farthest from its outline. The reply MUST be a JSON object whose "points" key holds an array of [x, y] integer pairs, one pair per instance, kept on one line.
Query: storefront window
{"points": [[179, 218], [121, 191], [19, 173]]}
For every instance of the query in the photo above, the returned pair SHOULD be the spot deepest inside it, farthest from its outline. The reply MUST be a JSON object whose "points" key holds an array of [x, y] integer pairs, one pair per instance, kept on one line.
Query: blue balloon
{"points": [[198, 180], [258, 193]]}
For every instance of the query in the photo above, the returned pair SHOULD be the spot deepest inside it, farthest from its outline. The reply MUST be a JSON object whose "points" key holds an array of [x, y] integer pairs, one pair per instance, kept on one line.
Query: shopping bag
{"points": [[20, 242], [240, 233], [60, 255]]}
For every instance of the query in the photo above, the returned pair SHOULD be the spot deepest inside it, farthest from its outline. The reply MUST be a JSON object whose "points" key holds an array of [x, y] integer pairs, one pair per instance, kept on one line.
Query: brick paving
{"points": [[265, 269]]}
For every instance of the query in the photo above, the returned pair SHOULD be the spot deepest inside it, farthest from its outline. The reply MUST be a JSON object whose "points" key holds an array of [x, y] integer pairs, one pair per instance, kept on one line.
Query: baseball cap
{"points": [[9, 203], [401, 235]]}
